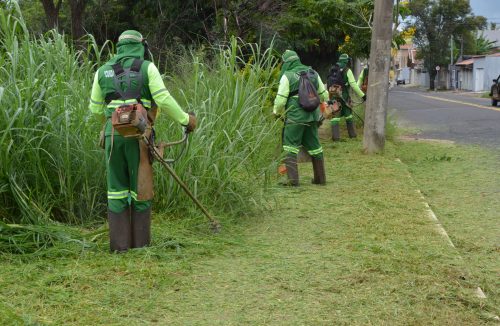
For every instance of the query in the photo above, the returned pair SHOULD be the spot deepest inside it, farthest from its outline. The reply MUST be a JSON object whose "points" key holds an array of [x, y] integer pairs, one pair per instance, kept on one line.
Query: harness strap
{"points": [[136, 65], [118, 69], [122, 77]]}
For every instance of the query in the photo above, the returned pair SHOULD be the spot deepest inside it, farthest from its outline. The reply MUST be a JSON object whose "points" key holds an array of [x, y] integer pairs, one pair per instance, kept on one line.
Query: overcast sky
{"points": [[487, 8]]}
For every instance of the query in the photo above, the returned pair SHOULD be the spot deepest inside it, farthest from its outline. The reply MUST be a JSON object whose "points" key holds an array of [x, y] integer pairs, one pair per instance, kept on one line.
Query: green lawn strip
{"points": [[366, 254], [360, 250], [462, 185]]}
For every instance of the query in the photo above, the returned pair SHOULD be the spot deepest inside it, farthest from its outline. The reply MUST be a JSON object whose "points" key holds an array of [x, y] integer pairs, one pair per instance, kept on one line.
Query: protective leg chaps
{"points": [[119, 231], [292, 170], [319, 171], [141, 228], [351, 129], [335, 132]]}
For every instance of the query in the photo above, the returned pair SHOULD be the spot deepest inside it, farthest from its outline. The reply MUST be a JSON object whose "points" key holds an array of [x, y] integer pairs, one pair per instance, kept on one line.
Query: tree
{"points": [[52, 12], [77, 10], [435, 22], [483, 46], [380, 54]]}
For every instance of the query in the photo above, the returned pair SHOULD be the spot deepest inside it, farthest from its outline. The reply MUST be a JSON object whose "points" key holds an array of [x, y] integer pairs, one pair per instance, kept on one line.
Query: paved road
{"points": [[446, 115]]}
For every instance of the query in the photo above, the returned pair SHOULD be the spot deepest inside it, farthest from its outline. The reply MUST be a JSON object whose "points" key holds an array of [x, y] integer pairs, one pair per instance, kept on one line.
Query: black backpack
{"points": [[308, 95], [335, 77], [335, 80]]}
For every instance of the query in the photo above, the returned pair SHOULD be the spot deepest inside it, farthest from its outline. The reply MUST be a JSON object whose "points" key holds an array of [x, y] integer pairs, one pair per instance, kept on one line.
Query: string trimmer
{"points": [[158, 155]]}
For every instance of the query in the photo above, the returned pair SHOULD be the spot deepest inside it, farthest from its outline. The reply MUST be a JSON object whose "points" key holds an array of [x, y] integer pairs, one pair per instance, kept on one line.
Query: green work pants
{"points": [[302, 134], [345, 111], [122, 164]]}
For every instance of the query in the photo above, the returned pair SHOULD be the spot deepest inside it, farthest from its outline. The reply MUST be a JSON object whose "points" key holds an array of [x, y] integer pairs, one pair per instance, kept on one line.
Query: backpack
{"points": [[308, 95], [335, 81]]}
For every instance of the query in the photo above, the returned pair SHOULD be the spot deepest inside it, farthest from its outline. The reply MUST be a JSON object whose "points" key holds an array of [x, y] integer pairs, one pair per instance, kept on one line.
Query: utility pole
{"points": [[452, 70], [378, 83]]}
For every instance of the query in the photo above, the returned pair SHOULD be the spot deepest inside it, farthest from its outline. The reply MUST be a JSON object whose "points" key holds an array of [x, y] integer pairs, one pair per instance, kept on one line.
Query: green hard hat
{"points": [[130, 36], [344, 58], [289, 55]]}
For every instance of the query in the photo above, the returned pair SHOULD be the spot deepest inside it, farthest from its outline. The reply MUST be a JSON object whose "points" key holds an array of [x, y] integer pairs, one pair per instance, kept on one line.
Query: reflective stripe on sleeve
{"points": [[96, 102], [159, 91]]}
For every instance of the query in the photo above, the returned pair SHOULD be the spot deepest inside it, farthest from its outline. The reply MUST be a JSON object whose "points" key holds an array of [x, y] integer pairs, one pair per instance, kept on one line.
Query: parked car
{"points": [[400, 81], [495, 91]]}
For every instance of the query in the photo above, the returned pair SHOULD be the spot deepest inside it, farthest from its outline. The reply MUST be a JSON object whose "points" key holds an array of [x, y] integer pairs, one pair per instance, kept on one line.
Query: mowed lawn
{"points": [[359, 251]]}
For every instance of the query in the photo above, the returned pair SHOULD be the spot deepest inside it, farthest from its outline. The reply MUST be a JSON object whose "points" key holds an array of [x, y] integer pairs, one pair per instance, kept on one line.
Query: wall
{"points": [[465, 79], [422, 78], [492, 70]]}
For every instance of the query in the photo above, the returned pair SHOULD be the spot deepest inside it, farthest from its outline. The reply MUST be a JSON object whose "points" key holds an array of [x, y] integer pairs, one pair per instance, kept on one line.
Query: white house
{"points": [[477, 73]]}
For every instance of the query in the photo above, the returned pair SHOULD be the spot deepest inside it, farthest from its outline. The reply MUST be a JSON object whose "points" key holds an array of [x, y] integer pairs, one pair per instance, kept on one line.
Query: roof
{"points": [[465, 62], [473, 58]]}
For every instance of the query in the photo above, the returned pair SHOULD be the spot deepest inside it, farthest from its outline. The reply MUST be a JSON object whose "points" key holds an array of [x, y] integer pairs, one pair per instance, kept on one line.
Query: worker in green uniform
{"points": [[129, 214], [301, 126], [348, 82]]}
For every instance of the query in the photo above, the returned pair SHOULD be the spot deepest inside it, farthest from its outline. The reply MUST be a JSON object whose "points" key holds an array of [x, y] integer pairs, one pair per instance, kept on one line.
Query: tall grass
{"points": [[48, 153], [50, 165], [231, 152]]}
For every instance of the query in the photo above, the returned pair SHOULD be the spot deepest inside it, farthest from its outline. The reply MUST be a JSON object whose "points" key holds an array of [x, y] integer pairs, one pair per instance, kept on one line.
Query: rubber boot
{"points": [[336, 132], [141, 228], [319, 171], [351, 129], [119, 231], [292, 170]]}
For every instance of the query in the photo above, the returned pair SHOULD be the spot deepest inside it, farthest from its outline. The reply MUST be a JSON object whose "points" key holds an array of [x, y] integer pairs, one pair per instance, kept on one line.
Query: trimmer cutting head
{"points": [[215, 227]]}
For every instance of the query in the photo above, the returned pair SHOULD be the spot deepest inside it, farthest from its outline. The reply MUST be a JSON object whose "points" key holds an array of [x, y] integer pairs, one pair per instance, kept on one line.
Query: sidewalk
{"points": [[450, 91]]}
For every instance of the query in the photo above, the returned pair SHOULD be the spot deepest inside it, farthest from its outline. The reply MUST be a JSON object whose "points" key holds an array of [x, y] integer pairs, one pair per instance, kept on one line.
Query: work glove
{"points": [[191, 126], [364, 98]]}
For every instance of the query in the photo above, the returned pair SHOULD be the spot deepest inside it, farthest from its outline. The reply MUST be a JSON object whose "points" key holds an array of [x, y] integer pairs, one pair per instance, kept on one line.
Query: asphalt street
{"points": [[446, 115]]}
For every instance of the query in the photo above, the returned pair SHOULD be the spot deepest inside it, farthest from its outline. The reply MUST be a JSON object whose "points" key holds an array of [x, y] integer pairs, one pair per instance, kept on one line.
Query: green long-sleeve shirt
{"points": [[362, 76], [351, 81], [159, 92]]}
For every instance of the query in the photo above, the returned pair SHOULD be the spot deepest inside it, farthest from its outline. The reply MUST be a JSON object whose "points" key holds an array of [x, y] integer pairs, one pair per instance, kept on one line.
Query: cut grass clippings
{"points": [[359, 251]]}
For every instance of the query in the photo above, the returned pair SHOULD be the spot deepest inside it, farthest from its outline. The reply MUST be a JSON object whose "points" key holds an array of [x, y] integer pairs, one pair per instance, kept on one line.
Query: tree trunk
{"points": [[77, 10], [51, 12], [378, 84], [432, 76]]}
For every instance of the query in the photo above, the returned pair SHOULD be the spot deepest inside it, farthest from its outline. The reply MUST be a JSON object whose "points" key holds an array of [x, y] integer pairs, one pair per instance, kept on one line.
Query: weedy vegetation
{"points": [[359, 251], [51, 168]]}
